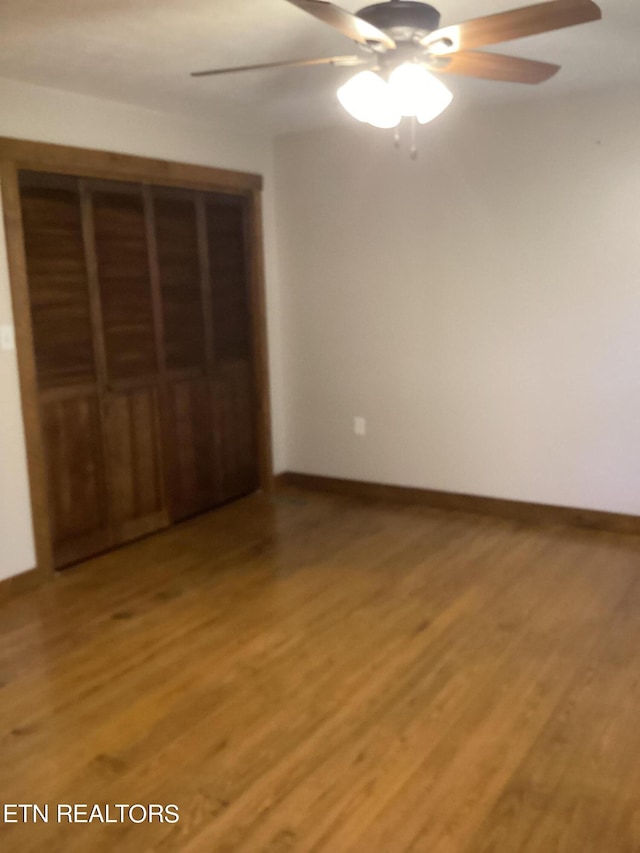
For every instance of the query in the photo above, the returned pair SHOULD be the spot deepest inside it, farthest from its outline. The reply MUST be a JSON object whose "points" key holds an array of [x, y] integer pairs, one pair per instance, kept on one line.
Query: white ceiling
{"points": [[141, 52]]}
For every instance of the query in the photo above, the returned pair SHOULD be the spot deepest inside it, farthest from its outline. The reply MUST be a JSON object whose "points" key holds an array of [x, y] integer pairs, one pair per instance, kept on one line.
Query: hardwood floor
{"points": [[319, 673]]}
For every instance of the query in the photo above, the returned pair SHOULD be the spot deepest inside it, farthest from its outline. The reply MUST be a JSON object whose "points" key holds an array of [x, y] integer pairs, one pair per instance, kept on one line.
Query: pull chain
{"points": [[414, 144], [413, 138]]}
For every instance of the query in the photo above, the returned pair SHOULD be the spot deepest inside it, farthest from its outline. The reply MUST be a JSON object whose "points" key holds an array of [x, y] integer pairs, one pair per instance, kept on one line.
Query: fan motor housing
{"points": [[408, 14]]}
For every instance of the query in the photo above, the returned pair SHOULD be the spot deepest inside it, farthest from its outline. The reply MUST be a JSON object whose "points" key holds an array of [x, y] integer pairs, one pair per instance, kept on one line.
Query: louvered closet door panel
{"points": [[130, 404], [188, 414], [75, 468], [65, 364], [229, 280], [57, 276], [123, 280], [134, 463], [234, 388], [234, 408], [180, 281], [192, 476]]}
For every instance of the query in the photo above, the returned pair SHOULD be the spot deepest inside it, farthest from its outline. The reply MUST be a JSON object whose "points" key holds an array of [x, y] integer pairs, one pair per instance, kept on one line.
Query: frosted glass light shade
{"points": [[368, 98], [418, 93]]}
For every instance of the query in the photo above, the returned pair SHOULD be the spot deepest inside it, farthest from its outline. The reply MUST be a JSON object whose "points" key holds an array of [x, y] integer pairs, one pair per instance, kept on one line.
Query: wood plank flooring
{"points": [[320, 673]]}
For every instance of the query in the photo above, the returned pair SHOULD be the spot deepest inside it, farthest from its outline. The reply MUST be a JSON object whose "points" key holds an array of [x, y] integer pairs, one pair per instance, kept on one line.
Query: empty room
{"points": [[319, 426]]}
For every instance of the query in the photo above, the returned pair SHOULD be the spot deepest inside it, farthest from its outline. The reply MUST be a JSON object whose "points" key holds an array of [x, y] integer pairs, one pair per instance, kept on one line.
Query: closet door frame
{"points": [[21, 155]]}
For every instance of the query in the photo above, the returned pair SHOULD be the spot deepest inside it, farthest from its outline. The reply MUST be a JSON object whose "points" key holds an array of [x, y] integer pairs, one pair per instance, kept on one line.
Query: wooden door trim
{"points": [[17, 155], [259, 340], [90, 163]]}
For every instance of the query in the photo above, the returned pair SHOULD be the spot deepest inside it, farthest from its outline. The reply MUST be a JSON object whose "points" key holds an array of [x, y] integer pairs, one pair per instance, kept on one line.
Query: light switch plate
{"points": [[7, 338], [359, 426]]}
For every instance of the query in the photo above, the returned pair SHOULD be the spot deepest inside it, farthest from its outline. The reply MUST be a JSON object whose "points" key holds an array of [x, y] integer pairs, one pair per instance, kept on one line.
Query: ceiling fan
{"points": [[401, 43]]}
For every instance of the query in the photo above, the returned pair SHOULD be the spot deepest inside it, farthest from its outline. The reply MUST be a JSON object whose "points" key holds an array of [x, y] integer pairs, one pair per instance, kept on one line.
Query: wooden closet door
{"points": [[66, 366], [141, 315], [235, 402], [187, 393], [128, 336]]}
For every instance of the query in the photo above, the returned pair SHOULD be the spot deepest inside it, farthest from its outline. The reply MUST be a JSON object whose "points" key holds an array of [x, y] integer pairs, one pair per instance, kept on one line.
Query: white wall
{"points": [[46, 115], [480, 307]]}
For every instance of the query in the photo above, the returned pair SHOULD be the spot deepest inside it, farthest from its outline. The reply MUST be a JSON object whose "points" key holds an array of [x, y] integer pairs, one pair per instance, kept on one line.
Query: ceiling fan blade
{"points": [[347, 23], [495, 66], [516, 24], [288, 63]]}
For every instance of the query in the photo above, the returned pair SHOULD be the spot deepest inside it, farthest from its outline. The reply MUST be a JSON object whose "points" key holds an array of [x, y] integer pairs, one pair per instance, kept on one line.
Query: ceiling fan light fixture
{"points": [[368, 98], [408, 32], [418, 93]]}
